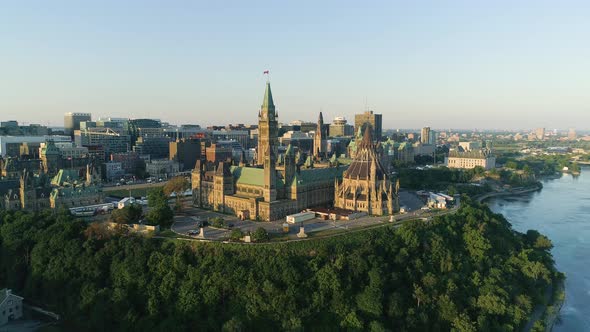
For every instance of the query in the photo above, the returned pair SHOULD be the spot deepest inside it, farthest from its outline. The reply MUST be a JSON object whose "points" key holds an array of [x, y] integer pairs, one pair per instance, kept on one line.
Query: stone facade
{"points": [[270, 191], [66, 189], [366, 185], [471, 159]]}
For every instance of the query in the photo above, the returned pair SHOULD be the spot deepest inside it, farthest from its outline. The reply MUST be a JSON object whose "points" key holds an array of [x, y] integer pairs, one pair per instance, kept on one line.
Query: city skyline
{"points": [[457, 65]]}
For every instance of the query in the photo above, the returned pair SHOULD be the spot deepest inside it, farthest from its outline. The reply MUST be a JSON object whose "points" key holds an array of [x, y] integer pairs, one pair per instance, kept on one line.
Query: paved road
{"points": [[410, 200], [192, 216]]}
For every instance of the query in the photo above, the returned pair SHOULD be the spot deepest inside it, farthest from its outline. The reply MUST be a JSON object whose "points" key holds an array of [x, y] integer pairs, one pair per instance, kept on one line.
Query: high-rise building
{"points": [[111, 141], [433, 137], [540, 133], [375, 120], [425, 135], [72, 121], [571, 134], [339, 128], [186, 152], [156, 146]]}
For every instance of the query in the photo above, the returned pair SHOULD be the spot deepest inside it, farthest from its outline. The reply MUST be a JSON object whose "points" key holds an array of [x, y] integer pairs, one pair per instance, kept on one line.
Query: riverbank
{"points": [[512, 192], [551, 314]]}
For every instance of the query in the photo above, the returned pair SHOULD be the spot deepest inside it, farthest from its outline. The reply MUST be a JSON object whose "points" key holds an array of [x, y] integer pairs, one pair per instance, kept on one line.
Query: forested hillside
{"points": [[468, 271]]}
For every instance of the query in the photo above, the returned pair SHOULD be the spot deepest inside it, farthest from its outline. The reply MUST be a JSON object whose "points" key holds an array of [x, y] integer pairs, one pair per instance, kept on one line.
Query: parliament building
{"points": [[273, 188], [366, 186]]}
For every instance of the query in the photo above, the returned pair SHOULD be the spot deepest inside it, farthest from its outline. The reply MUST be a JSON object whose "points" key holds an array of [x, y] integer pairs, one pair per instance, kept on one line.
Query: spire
{"points": [[367, 141], [267, 103], [321, 119]]}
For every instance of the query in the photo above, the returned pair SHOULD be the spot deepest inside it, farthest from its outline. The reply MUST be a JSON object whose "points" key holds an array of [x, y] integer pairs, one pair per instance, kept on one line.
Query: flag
{"points": [[265, 72]]}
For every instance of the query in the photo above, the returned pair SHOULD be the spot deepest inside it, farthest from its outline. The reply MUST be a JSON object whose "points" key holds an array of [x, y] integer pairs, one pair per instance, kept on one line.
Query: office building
{"points": [[571, 134], [72, 121], [11, 145], [375, 120], [425, 135], [110, 140], [471, 159], [186, 152], [155, 146], [540, 134], [339, 127], [162, 168]]}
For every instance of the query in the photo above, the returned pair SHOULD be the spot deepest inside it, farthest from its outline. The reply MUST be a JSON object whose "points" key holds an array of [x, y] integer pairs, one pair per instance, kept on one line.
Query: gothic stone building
{"points": [[66, 189], [267, 191], [365, 185]]}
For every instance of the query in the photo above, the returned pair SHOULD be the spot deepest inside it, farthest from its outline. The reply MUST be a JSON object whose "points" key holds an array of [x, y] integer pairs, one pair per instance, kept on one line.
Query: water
{"points": [[561, 211]]}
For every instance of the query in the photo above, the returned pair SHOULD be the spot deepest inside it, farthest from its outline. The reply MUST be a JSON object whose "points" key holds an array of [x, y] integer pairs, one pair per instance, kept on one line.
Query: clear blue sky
{"points": [[459, 64]]}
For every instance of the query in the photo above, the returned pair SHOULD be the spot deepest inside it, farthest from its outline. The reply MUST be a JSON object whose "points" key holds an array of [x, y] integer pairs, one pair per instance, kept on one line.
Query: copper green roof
{"points": [[316, 175], [65, 175], [344, 161], [251, 176], [267, 102], [248, 175]]}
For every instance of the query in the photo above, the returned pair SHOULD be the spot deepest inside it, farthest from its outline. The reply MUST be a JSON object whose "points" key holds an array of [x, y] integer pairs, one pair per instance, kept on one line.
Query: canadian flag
{"points": [[266, 72]]}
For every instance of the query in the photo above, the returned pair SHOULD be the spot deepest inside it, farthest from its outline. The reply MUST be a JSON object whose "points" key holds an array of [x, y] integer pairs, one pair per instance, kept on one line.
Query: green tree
{"points": [[177, 185], [511, 164], [260, 235], [159, 211], [127, 215], [236, 234]]}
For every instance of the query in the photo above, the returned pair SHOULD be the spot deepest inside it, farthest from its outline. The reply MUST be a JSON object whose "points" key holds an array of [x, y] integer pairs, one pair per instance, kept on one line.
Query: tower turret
{"points": [[267, 127], [290, 165], [270, 175], [319, 140]]}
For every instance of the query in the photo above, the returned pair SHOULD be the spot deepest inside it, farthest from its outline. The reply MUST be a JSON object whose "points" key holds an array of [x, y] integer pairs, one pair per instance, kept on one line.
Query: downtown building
{"points": [[471, 159], [369, 117]]}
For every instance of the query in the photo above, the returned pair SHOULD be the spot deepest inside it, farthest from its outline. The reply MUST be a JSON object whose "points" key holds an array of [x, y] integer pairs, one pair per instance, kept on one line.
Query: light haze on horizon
{"points": [[444, 64]]}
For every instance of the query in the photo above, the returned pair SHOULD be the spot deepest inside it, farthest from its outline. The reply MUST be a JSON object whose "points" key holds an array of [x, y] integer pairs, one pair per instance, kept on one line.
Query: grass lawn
{"points": [[170, 234], [139, 192]]}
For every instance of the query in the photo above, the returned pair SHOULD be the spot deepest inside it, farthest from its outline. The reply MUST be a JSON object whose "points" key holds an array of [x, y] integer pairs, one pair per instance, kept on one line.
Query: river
{"points": [[561, 211]]}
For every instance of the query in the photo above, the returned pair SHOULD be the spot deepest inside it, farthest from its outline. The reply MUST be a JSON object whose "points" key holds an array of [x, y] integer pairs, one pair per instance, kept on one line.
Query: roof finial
{"points": [[267, 73]]}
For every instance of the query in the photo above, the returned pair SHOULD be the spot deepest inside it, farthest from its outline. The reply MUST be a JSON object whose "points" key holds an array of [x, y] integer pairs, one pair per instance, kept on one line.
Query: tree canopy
{"points": [[464, 272]]}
